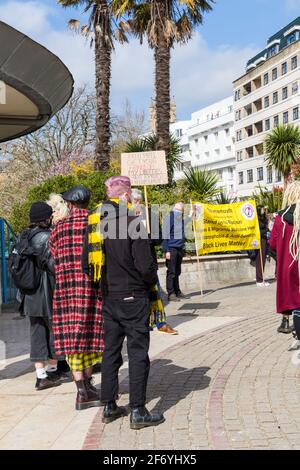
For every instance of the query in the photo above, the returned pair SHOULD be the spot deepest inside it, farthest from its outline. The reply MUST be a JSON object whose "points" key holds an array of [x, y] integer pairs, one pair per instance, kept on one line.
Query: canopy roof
{"points": [[34, 84]]}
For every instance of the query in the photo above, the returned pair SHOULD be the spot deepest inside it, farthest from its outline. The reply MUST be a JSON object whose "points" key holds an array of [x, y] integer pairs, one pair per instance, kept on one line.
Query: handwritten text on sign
{"points": [[145, 168]]}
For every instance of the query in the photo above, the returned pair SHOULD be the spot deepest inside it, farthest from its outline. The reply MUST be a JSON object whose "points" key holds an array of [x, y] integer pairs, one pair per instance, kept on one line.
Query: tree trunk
{"points": [[103, 51], [162, 95]]}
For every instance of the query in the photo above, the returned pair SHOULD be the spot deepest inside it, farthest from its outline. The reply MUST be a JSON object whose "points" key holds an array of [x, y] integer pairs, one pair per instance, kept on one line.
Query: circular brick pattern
{"points": [[232, 388]]}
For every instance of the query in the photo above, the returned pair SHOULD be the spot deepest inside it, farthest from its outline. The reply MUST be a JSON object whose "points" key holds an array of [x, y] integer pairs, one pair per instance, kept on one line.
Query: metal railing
{"points": [[7, 239]]}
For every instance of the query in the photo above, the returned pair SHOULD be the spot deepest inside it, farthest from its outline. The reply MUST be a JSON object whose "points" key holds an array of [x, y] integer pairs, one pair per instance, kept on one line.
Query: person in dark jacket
{"points": [[38, 306], [261, 255], [173, 244], [128, 274], [137, 198]]}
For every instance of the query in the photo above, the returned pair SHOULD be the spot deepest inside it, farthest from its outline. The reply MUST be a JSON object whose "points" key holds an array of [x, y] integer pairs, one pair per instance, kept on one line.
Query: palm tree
{"points": [[202, 184], [100, 28], [282, 146], [164, 23], [224, 198], [144, 144]]}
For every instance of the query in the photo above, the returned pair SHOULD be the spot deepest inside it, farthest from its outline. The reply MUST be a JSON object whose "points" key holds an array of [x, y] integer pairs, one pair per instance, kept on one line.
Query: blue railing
{"points": [[7, 239]]}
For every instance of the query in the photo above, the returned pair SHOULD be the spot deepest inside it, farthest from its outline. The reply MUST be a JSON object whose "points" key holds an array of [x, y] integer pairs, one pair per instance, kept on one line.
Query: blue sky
{"points": [[202, 71]]}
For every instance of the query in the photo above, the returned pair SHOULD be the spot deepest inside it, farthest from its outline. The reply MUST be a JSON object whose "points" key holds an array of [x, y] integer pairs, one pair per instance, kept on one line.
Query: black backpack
{"points": [[23, 264]]}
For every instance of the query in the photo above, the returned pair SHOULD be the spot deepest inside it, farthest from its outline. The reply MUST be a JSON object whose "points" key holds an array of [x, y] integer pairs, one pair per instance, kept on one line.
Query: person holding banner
{"points": [[261, 255], [285, 242], [173, 244], [158, 319]]}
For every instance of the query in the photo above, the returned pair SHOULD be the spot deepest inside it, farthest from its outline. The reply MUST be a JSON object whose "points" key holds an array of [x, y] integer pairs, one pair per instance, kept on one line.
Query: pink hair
{"points": [[117, 185]]}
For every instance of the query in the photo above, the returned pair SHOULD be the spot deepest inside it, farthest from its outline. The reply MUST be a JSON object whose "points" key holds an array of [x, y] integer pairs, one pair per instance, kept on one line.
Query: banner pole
{"points": [[261, 262], [147, 209], [197, 254]]}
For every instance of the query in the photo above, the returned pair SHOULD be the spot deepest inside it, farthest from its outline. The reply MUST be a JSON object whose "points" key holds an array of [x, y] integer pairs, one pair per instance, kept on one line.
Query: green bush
{"points": [[57, 184]]}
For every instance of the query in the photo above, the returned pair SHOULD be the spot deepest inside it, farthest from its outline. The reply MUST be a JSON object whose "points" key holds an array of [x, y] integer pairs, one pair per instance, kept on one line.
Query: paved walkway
{"points": [[227, 381]]}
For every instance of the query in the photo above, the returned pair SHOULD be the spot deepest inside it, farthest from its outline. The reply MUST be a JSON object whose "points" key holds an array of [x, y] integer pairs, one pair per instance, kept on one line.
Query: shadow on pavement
{"points": [[172, 383], [16, 369]]}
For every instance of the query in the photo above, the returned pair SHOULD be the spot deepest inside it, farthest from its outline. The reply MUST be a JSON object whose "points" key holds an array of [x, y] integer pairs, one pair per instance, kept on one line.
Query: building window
{"points": [[269, 175], [266, 79], [207, 154], [179, 132], [295, 88], [227, 131], [260, 174], [239, 136], [284, 68], [249, 176], [267, 124], [198, 156], [230, 173], [216, 134], [292, 38], [228, 148], [294, 62], [267, 101], [278, 177], [275, 97], [239, 155], [276, 120], [237, 95], [296, 114], [286, 117], [230, 109], [273, 50], [284, 93], [241, 177], [274, 74]]}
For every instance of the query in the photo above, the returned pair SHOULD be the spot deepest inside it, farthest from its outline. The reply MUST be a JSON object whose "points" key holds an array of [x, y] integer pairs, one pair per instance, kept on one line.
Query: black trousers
{"points": [[130, 319], [174, 270]]}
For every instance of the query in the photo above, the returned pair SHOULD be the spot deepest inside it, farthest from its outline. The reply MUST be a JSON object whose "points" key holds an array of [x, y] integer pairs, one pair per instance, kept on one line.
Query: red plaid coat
{"points": [[76, 319]]}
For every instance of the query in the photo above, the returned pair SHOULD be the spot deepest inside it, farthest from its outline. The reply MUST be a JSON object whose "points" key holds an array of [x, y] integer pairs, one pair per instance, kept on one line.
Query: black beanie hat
{"points": [[40, 211]]}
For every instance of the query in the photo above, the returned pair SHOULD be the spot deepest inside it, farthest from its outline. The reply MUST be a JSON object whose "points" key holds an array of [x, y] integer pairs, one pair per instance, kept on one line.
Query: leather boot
{"points": [[141, 418], [89, 382], [112, 412], [285, 326], [86, 397]]}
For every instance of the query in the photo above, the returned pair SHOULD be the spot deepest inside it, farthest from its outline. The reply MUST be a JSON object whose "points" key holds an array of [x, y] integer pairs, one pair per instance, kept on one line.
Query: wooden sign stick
{"points": [[147, 209]]}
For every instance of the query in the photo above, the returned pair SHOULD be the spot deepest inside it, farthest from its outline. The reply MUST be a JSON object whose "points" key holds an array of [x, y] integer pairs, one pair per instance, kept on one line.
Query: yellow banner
{"points": [[226, 227]]}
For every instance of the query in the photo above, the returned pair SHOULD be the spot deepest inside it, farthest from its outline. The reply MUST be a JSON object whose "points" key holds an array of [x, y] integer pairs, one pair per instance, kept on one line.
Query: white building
{"points": [[207, 142], [267, 95]]}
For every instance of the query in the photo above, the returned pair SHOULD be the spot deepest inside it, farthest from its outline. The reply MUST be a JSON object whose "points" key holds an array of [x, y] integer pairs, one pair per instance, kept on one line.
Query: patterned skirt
{"points": [[81, 361]]}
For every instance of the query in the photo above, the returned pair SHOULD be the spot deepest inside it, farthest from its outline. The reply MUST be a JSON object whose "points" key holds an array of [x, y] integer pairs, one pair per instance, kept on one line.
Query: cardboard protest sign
{"points": [[145, 168], [226, 227]]}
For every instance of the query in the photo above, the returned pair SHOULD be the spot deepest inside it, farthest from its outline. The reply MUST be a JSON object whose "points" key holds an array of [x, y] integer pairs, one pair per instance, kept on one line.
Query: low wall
{"points": [[216, 269]]}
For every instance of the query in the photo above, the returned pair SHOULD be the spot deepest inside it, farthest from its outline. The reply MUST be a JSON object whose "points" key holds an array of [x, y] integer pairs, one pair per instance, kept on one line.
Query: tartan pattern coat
{"points": [[77, 318]]}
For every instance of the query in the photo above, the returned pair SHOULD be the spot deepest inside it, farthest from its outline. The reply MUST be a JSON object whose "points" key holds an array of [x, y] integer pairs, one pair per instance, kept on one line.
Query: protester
{"points": [[157, 319], [118, 252], [173, 244], [261, 255], [285, 242], [60, 211], [38, 305], [77, 318]]}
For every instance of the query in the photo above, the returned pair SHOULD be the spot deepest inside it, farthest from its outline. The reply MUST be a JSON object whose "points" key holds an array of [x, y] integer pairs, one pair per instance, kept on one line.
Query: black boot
{"points": [[86, 397], [141, 418], [285, 326], [112, 412]]}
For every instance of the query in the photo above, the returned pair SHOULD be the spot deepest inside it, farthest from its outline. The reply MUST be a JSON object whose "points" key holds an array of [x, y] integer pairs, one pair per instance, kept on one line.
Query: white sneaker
{"points": [[262, 284], [295, 345]]}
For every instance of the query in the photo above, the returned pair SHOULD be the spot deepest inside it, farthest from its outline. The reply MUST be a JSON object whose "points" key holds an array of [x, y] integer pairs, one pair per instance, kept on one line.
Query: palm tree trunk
{"points": [[103, 49], [162, 94]]}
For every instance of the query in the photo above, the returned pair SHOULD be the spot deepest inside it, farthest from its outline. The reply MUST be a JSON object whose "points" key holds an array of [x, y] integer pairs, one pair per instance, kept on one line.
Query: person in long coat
{"points": [[284, 241], [77, 305]]}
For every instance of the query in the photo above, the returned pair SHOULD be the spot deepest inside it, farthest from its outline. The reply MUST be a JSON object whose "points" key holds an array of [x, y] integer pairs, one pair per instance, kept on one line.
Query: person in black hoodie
{"points": [[38, 306], [129, 273]]}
